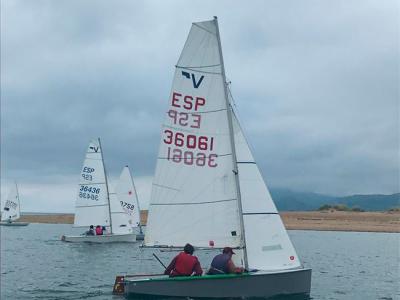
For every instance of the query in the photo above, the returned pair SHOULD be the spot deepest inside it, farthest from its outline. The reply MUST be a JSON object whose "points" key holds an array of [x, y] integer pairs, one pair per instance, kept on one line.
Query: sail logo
{"points": [[189, 76], [95, 149]]}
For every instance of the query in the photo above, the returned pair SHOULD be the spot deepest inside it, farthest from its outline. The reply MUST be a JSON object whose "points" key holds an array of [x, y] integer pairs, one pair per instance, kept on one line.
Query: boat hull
{"points": [[108, 238], [14, 224], [257, 284]]}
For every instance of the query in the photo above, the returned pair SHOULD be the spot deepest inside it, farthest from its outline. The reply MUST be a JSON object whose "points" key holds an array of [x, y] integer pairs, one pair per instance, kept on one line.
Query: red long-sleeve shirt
{"points": [[184, 265]]}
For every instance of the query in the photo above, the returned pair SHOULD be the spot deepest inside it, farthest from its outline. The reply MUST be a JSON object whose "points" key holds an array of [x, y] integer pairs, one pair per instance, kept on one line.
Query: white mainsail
{"points": [[207, 189], [127, 199], [193, 197], [92, 202], [11, 208]]}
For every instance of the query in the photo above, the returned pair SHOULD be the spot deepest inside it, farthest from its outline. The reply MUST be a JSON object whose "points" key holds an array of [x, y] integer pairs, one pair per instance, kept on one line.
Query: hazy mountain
{"points": [[287, 200]]}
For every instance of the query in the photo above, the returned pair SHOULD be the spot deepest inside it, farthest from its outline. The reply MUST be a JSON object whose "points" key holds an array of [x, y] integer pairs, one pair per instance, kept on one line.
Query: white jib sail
{"points": [[127, 199], [11, 209], [194, 198], [267, 242], [91, 207]]}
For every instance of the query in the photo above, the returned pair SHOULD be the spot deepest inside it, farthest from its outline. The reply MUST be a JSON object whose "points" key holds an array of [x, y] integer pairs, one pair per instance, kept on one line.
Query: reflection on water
{"points": [[35, 264]]}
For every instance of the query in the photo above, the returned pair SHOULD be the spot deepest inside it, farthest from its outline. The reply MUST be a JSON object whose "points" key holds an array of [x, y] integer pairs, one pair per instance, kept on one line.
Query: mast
{"points": [[231, 137], [105, 178], [137, 199]]}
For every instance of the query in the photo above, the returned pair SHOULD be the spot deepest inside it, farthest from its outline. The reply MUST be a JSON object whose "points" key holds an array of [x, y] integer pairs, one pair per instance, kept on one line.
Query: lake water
{"points": [[35, 264]]}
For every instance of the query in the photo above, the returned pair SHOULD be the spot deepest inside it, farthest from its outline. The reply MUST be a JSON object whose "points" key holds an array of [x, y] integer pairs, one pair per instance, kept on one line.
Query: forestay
{"points": [[92, 204], [267, 242], [11, 209], [125, 209], [194, 197]]}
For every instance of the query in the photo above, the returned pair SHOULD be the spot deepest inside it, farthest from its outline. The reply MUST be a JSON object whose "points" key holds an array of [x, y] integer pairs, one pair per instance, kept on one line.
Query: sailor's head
{"points": [[188, 249], [91, 226], [228, 250]]}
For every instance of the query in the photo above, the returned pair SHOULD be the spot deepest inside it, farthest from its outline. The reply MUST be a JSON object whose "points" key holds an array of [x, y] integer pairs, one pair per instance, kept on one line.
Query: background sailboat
{"points": [[93, 205], [11, 211], [208, 191]]}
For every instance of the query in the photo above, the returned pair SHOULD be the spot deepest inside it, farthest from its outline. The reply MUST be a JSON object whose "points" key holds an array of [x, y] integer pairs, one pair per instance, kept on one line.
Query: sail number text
{"points": [[189, 141], [11, 204], [188, 148], [86, 173], [127, 205], [88, 192]]}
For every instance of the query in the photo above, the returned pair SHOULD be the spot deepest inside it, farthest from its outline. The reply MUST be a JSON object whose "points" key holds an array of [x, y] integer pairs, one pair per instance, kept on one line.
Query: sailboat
{"points": [[11, 211], [94, 203], [208, 191], [126, 204]]}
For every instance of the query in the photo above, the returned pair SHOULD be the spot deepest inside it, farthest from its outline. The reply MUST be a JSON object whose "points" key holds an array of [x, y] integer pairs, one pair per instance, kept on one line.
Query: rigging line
{"points": [[194, 203], [197, 25], [246, 162], [204, 72], [91, 183], [199, 67]]}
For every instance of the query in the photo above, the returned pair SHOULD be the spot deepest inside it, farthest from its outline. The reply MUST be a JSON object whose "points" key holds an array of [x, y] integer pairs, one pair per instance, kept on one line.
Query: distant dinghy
{"points": [[208, 191], [11, 211], [94, 203]]}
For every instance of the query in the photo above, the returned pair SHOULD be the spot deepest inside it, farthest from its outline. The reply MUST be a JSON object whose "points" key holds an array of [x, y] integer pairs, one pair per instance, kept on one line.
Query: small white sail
{"points": [[11, 208], [267, 242], [91, 207], [127, 198], [119, 218], [194, 198]]}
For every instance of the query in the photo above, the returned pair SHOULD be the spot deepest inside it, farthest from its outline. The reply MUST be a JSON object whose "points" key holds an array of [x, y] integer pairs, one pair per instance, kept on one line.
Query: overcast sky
{"points": [[316, 84]]}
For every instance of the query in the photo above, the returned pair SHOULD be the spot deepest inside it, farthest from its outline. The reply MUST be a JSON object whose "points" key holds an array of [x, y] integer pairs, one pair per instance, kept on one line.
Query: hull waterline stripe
{"points": [[261, 213]]}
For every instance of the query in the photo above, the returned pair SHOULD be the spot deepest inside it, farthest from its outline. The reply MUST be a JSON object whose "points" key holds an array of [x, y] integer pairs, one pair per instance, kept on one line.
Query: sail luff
{"points": [[231, 134], [107, 190]]}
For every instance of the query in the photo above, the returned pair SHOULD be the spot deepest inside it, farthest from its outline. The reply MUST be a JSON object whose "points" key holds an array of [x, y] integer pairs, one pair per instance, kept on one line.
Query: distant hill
{"points": [[287, 200]]}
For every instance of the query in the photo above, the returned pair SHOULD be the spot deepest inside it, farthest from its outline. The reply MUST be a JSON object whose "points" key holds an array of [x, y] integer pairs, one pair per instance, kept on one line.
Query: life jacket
{"points": [[219, 264], [184, 264], [99, 231]]}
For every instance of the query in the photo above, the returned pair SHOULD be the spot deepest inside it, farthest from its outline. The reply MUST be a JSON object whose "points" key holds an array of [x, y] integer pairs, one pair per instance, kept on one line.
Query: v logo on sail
{"points": [[95, 149], [195, 84]]}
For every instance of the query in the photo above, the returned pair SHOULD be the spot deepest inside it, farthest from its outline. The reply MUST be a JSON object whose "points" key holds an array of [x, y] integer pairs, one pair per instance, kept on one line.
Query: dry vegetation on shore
{"points": [[303, 220]]}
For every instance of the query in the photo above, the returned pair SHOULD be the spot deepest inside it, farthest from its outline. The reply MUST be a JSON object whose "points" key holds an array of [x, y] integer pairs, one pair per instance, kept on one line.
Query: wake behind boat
{"points": [[96, 206], [207, 179], [11, 211]]}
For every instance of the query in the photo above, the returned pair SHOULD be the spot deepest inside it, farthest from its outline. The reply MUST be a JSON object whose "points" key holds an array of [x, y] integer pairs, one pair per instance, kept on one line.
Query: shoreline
{"points": [[294, 220]]}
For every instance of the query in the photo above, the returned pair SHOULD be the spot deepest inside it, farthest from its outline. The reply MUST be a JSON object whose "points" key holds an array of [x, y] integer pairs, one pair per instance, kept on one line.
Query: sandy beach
{"points": [[302, 220]]}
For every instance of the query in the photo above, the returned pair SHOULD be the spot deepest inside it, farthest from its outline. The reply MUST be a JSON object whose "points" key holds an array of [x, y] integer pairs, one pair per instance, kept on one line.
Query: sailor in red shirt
{"points": [[184, 264]]}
